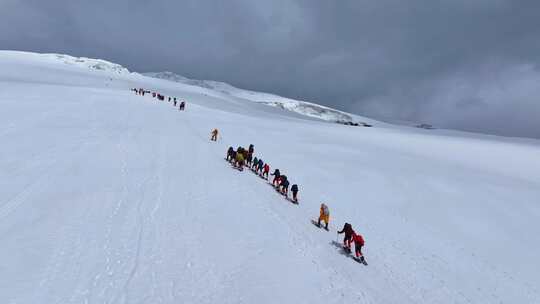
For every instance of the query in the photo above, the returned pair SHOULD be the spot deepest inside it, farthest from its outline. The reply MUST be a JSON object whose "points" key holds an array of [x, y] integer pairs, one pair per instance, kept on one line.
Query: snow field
{"points": [[110, 197]]}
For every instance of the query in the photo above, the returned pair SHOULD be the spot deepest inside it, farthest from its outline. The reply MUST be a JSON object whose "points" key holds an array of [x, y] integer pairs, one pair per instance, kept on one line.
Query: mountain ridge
{"points": [[302, 107]]}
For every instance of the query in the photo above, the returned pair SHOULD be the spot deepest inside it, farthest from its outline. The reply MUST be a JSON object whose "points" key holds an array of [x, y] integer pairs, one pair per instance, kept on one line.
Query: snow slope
{"points": [[301, 107], [109, 197]]}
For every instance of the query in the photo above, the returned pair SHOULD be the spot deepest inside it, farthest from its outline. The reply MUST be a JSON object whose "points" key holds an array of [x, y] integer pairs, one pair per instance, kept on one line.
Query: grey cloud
{"points": [[466, 64]]}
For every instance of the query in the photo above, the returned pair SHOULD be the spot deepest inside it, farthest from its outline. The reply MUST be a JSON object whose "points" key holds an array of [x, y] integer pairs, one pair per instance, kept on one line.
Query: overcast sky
{"points": [[466, 64]]}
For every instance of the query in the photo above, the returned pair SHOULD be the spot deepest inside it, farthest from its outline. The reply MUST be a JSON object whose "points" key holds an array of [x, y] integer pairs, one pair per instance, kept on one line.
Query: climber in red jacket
{"points": [[358, 244]]}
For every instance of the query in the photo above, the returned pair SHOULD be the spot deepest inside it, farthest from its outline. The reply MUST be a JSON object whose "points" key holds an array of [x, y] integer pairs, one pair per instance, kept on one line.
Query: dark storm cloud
{"points": [[470, 64]]}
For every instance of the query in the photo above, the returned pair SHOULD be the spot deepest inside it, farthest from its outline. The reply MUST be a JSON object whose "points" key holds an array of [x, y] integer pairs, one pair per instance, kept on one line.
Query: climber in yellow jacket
{"points": [[324, 215], [240, 161]]}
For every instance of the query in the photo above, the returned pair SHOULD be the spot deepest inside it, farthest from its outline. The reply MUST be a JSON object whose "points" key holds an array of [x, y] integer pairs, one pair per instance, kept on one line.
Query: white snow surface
{"points": [[110, 197]]}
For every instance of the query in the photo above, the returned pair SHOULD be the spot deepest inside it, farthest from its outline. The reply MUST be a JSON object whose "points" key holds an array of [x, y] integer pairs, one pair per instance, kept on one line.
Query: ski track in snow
{"points": [[109, 197]]}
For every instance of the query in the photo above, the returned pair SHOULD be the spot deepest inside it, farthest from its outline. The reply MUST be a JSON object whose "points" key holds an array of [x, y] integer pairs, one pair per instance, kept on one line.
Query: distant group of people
{"points": [[140, 91], [158, 96], [242, 157]]}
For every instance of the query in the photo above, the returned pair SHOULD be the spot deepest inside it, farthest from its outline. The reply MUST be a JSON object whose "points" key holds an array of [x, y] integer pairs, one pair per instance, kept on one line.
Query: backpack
{"points": [[325, 209], [358, 239]]}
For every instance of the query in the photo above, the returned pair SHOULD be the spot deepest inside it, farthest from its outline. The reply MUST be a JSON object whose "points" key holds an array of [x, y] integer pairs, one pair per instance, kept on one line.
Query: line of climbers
{"points": [[174, 100], [242, 157]]}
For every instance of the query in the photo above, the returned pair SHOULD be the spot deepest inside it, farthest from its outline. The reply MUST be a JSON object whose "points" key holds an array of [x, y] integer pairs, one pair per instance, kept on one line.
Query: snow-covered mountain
{"points": [[60, 59], [111, 197], [95, 64], [301, 107]]}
